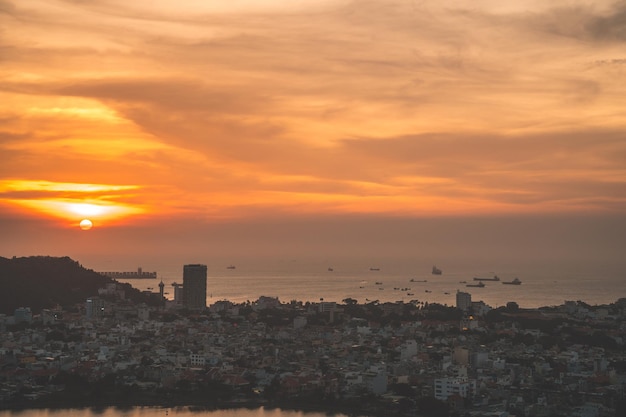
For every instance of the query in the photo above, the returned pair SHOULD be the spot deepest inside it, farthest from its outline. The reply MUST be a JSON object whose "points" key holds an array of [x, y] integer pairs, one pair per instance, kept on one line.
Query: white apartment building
{"points": [[445, 387], [196, 360]]}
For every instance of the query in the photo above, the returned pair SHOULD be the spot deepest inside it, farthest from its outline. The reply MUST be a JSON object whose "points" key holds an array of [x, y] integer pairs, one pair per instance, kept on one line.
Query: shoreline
{"points": [[355, 407]]}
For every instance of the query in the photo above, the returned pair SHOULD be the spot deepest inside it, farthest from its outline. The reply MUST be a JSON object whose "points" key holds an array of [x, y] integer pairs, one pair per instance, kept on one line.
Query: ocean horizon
{"points": [[389, 280]]}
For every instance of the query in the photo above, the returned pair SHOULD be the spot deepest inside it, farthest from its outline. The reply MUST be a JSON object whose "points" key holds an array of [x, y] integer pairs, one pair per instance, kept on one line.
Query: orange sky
{"points": [[131, 112]]}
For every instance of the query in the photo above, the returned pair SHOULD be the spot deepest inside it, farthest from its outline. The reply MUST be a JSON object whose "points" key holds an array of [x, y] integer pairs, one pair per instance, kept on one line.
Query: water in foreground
{"points": [[160, 412]]}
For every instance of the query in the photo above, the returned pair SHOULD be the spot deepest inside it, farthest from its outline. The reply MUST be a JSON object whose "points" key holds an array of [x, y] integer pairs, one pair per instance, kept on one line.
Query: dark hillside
{"points": [[43, 282]]}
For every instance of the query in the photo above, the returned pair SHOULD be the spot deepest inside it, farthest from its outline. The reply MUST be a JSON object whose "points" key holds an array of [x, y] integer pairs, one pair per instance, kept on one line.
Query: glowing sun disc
{"points": [[86, 224]]}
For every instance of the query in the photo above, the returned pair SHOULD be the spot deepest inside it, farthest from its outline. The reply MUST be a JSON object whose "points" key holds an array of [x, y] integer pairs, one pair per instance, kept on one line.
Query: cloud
{"points": [[611, 27], [172, 94], [362, 105], [585, 22], [565, 166], [10, 137], [7, 7], [167, 9], [248, 147], [69, 200]]}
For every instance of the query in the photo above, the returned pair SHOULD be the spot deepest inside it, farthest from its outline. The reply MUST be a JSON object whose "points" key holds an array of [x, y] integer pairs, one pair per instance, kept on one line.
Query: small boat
{"points": [[378, 283], [374, 269], [427, 291], [330, 269], [418, 280], [462, 282], [479, 285], [230, 267], [516, 281], [436, 271]]}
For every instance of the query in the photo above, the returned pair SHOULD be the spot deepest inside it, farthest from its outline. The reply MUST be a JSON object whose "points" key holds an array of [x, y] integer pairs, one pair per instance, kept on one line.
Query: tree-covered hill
{"points": [[42, 282]]}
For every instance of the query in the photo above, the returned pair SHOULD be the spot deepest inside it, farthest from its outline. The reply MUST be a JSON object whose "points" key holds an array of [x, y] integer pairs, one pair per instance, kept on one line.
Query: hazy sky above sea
{"points": [[441, 128]]}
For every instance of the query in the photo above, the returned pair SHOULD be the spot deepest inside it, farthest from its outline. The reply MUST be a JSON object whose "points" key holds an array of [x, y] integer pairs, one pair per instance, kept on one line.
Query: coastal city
{"points": [[312, 208], [405, 359]]}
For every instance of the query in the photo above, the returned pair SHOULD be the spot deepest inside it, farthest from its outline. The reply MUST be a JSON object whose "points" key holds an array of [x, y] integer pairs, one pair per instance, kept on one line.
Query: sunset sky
{"points": [[177, 123]]}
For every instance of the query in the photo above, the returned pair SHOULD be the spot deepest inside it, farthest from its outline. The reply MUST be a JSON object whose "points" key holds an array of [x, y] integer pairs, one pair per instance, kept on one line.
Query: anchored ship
{"points": [[495, 278], [138, 274]]}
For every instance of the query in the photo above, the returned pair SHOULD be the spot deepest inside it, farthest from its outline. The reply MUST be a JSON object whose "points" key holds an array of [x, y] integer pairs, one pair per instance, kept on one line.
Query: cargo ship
{"points": [[516, 281], [138, 274], [495, 278]]}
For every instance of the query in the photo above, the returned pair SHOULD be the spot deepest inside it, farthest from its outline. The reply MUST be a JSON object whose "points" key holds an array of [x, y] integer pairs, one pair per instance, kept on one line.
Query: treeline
{"points": [[42, 282]]}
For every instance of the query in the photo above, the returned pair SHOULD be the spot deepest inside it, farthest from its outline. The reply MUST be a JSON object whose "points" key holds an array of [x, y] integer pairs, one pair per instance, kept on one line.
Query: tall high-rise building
{"points": [[194, 286], [178, 293], [94, 307], [463, 300]]}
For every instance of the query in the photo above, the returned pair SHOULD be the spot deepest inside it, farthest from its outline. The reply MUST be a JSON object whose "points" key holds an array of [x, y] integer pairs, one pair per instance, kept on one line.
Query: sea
{"points": [[365, 280], [160, 412]]}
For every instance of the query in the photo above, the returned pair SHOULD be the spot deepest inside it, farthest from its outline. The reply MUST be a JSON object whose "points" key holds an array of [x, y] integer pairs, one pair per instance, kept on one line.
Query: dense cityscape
{"points": [[413, 359]]}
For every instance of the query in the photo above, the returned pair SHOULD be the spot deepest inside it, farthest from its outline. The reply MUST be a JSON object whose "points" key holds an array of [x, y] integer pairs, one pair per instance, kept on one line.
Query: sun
{"points": [[86, 224]]}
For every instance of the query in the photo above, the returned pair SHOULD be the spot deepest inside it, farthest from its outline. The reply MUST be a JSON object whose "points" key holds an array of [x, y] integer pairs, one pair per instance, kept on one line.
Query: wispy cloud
{"points": [[70, 200], [587, 22], [330, 107]]}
